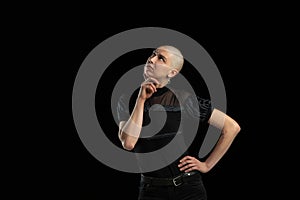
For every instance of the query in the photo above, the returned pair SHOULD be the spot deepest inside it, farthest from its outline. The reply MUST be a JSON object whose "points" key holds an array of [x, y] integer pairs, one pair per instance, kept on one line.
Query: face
{"points": [[158, 65]]}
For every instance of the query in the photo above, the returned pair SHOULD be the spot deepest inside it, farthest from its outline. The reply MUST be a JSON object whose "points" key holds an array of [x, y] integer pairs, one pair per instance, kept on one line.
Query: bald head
{"points": [[177, 59]]}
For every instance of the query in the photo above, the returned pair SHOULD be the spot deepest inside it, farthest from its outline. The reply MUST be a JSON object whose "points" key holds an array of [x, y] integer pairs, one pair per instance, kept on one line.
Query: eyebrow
{"points": [[158, 53]]}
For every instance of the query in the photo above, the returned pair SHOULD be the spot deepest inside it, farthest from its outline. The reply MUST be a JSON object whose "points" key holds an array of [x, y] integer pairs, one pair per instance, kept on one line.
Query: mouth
{"points": [[149, 67]]}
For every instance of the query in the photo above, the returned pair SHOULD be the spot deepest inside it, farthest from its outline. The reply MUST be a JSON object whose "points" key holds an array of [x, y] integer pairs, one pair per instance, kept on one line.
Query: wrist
{"points": [[140, 100]]}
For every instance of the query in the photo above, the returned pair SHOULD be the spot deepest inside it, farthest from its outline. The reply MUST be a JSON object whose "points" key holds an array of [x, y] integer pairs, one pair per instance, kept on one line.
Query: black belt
{"points": [[176, 181]]}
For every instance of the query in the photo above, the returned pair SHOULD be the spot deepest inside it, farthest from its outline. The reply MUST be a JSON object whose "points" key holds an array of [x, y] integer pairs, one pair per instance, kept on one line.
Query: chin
{"points": [[145, 76]]}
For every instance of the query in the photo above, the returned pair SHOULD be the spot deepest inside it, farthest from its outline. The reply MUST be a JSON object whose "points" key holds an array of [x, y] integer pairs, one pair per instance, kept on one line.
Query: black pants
{"points": [[191, 189]]}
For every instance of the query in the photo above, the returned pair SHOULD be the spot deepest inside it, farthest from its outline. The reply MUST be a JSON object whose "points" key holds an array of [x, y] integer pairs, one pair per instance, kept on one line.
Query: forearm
{"points": [[189, 163], [130, 131], [138, 112], [229, 132], [218, 152]]}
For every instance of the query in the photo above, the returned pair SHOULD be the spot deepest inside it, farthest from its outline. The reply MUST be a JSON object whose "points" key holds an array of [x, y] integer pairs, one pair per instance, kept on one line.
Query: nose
{"points": [[152, 59]]}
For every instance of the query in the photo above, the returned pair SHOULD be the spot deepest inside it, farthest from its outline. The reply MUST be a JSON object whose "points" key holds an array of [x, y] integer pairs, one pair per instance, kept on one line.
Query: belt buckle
{"points": [[175, 180]]}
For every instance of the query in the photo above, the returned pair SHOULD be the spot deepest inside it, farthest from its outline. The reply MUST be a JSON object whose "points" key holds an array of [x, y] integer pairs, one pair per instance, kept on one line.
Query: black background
{"points": [[240, 45], [254, 46]]}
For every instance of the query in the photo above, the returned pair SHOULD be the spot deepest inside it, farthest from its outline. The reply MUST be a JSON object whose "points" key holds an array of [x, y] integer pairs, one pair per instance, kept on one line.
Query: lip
{"points": [[150, 67]]}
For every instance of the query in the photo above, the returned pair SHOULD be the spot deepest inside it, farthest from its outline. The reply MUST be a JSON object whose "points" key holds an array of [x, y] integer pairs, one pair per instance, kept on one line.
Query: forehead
{"points": [[163, 52]]}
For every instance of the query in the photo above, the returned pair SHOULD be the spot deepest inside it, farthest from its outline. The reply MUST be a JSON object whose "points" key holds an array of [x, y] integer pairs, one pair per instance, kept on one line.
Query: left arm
{"points": [[230, 128]]}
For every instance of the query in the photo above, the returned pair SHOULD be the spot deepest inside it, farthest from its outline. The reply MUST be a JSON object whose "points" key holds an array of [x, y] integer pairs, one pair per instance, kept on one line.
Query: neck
{"points": [[163, 83]]}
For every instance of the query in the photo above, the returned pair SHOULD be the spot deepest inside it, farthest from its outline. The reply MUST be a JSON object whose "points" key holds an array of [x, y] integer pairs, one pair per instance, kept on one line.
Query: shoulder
{"points": [[181, 95]]}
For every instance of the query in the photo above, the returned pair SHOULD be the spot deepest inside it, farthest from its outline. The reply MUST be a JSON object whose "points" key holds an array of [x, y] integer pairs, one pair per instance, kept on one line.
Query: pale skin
{"points": [[158, 69]]}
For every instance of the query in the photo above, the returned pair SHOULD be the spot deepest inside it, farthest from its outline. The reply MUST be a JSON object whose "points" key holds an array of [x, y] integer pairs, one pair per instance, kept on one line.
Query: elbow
{"points": [[128, 142], [236, 128], [232, 130], [128, 145]]}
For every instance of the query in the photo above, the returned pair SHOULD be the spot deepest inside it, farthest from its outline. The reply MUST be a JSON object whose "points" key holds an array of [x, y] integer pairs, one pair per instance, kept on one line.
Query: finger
{"points": [[184, 163], [187, 166], [191, 169], [186, 158], [150, 88], [153, 86], [147, 82], [153, 80], [149, 91]]}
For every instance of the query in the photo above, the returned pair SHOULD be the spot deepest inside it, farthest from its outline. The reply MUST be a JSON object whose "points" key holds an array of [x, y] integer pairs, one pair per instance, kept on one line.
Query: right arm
{"points": [[129, 131]]}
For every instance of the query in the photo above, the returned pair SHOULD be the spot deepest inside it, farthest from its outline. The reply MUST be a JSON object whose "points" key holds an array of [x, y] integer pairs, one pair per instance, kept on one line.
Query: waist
{"points": [[172, 181]]}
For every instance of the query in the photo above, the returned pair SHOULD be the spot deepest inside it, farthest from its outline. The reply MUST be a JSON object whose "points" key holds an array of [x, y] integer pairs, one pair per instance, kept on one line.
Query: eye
{"points": [[161, 58]]}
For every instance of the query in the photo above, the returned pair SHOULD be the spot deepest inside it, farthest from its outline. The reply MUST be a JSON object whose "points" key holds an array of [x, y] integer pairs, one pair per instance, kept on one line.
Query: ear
{"points": [[172, 73]]}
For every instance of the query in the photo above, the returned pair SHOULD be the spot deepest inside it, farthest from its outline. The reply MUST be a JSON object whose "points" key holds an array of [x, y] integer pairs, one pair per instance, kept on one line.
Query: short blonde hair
{"points": [[177, 57]]}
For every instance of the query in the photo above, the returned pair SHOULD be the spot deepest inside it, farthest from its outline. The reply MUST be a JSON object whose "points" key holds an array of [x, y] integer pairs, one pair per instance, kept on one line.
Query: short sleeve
{"points": [[123, 108], [197, 107]]}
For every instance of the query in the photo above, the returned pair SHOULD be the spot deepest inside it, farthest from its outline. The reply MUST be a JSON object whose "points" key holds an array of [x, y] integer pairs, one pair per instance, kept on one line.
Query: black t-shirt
{"points": [[164, 113]]}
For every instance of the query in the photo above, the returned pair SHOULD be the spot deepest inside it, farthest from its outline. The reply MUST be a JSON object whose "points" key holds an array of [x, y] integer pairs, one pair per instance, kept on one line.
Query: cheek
{"points": [[161, 70], [167, 71]]}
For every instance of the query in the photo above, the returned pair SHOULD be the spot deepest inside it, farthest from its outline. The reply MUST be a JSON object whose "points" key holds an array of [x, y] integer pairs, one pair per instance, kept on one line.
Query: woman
{"points": [[182, 178]]}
